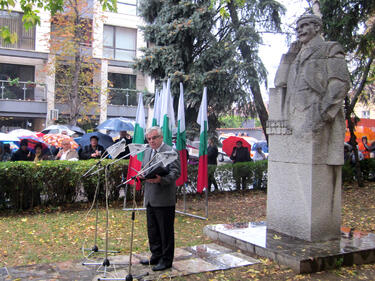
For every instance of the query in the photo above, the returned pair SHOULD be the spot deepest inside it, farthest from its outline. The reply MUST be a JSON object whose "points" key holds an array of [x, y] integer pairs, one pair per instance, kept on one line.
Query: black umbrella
{"points": [[103, 140]]}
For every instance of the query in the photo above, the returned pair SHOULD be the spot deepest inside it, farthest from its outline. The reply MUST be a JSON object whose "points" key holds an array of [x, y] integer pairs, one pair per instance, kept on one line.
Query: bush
{"points": [[25, 185], [367, 169], [28, 184], [256, 171]]}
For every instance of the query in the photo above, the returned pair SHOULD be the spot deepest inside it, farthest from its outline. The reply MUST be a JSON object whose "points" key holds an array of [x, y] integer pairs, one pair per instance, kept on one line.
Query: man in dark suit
{"points": [[23, 154], [240, 173], [160, 201], [92, 151], [128, 139]]}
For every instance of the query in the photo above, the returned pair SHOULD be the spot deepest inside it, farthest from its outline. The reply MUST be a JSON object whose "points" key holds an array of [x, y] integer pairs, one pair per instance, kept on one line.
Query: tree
{"points": [[351, 22], [190, 41], [73, 63], [183, 47], [246, 18]]}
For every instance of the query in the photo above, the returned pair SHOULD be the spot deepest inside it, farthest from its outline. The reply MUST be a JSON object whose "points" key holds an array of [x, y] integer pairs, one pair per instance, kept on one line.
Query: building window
{"points": [[128, 7], [122, 90], [366, 114], [25, 38], [119, 43]]}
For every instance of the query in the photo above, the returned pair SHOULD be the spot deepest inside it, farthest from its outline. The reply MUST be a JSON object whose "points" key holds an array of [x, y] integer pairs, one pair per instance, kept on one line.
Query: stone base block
{"points": [[304, 200], [353, 247]]}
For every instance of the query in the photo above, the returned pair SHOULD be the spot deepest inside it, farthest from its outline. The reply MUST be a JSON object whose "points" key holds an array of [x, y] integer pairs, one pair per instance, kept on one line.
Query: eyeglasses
{"points": [[153, 138]]}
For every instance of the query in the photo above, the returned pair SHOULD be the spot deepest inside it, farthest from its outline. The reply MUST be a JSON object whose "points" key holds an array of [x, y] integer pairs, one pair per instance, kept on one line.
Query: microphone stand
{"points": [[130, 277], [95, 248]]}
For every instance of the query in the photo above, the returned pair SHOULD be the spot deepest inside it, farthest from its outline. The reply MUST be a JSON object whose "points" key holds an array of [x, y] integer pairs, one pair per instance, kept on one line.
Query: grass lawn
{"points": [[52, 235]]}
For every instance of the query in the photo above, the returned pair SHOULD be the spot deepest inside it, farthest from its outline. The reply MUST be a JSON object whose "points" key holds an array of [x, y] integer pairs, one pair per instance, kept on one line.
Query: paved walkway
{"points": [[189, 260]]}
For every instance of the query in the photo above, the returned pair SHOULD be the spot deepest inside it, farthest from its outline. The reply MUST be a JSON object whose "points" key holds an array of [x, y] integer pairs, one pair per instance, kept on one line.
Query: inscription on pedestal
{"points": [[278, 127]]}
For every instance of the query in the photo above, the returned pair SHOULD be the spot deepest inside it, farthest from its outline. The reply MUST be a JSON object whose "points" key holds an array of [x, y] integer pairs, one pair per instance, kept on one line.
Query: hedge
{"points": [[27, 184], [257, 176]]}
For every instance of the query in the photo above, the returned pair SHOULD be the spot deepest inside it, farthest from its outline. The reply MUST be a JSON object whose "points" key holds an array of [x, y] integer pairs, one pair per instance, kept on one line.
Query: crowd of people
{"points": [[41, 152], [365, 150]]}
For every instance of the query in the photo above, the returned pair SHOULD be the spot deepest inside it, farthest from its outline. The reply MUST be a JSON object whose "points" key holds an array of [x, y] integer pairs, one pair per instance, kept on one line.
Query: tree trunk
{"points": [[75, 108], [246, 52], [353, 141]]}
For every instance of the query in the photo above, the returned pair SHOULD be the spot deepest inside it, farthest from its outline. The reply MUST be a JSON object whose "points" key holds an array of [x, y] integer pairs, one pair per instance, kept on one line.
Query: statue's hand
{"points": [[295, 47]]}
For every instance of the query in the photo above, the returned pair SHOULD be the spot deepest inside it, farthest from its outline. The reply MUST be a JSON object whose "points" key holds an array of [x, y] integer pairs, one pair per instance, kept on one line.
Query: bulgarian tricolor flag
{"points": [[167, 113], [157, 104], [181, 138], [202, 121], [135, 162]]}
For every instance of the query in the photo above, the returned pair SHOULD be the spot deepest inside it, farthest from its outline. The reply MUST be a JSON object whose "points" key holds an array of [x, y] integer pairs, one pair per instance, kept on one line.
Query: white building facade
{"points": [[29, 100]]}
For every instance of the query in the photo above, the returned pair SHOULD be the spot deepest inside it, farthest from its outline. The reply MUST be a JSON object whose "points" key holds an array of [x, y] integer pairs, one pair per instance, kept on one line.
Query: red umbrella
{"points": [[230, 142]]}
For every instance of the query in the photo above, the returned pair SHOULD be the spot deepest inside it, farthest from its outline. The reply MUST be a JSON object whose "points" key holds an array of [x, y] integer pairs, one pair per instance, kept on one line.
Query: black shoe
{"points": [[149, 261], [161, 266]]}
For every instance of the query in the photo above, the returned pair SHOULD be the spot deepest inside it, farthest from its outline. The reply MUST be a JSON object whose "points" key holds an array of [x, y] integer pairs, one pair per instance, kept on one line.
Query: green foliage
{"points": [[7, 36], [344, 21], [231, 121], [351, 22], [367, 171], [191, 43], [29, 184], [255, 171]]}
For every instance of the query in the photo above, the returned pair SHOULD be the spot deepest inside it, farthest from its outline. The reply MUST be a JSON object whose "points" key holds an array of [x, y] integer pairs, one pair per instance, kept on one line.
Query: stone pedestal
{"points": [[304, 193]]}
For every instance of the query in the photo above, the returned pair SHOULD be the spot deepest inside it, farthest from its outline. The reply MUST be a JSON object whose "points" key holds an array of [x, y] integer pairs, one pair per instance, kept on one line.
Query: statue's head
{"points": [[308, 26]]}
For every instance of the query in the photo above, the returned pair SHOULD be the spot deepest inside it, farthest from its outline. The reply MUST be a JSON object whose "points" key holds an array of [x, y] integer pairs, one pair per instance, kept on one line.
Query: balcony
{"points": [[22, 91], [118, 96]]}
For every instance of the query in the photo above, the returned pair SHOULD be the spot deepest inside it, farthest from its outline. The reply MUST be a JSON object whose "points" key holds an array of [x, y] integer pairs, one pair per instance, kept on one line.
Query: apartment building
{"points": [[29, 100]]}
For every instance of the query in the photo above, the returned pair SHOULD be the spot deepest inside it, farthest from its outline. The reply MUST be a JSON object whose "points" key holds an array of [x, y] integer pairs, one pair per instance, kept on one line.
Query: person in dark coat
{"points": [[23, 153], [93, 150], [160, 202], [240, 173], [128, 139], [212, 153]]}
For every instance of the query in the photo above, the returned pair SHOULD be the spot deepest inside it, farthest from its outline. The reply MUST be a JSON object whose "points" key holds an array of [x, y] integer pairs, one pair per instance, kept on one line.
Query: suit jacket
{"points": [[162, 194], [87, 151], [242, 154]]}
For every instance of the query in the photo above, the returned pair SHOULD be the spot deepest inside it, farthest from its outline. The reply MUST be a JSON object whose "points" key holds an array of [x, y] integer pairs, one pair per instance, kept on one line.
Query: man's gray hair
{"points": [[154, 128]]}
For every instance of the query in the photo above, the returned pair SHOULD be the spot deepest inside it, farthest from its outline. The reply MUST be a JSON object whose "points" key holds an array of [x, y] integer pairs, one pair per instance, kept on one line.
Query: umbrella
{"points": [[33, 141], [56, 140], [76, 129], [57, 129], [104, 140], [230, 142], [22, 133], [32, 137], [117, 124], [8, 137]]}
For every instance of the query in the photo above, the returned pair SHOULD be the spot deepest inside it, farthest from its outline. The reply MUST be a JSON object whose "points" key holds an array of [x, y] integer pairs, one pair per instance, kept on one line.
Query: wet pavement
{"points": [[188, 260], [353, 247]]}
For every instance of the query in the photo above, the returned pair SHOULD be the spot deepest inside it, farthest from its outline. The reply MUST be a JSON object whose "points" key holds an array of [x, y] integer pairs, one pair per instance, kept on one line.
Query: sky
{"points": [[275, 45]]}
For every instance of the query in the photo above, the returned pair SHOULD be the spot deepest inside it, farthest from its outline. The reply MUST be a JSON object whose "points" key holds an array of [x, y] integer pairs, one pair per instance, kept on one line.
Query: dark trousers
{"points": [[211, 177], [160, 229]]}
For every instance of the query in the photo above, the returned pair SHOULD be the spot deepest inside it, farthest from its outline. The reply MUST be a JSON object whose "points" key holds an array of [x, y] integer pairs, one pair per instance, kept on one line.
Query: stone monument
{"points": [[306, 130]]}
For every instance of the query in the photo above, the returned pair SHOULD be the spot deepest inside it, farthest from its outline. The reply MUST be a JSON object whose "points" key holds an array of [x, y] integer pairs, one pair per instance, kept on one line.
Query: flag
{"points": [[167, 119], [135, 162], [181, 138], [157, 103], [203, 122]]}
